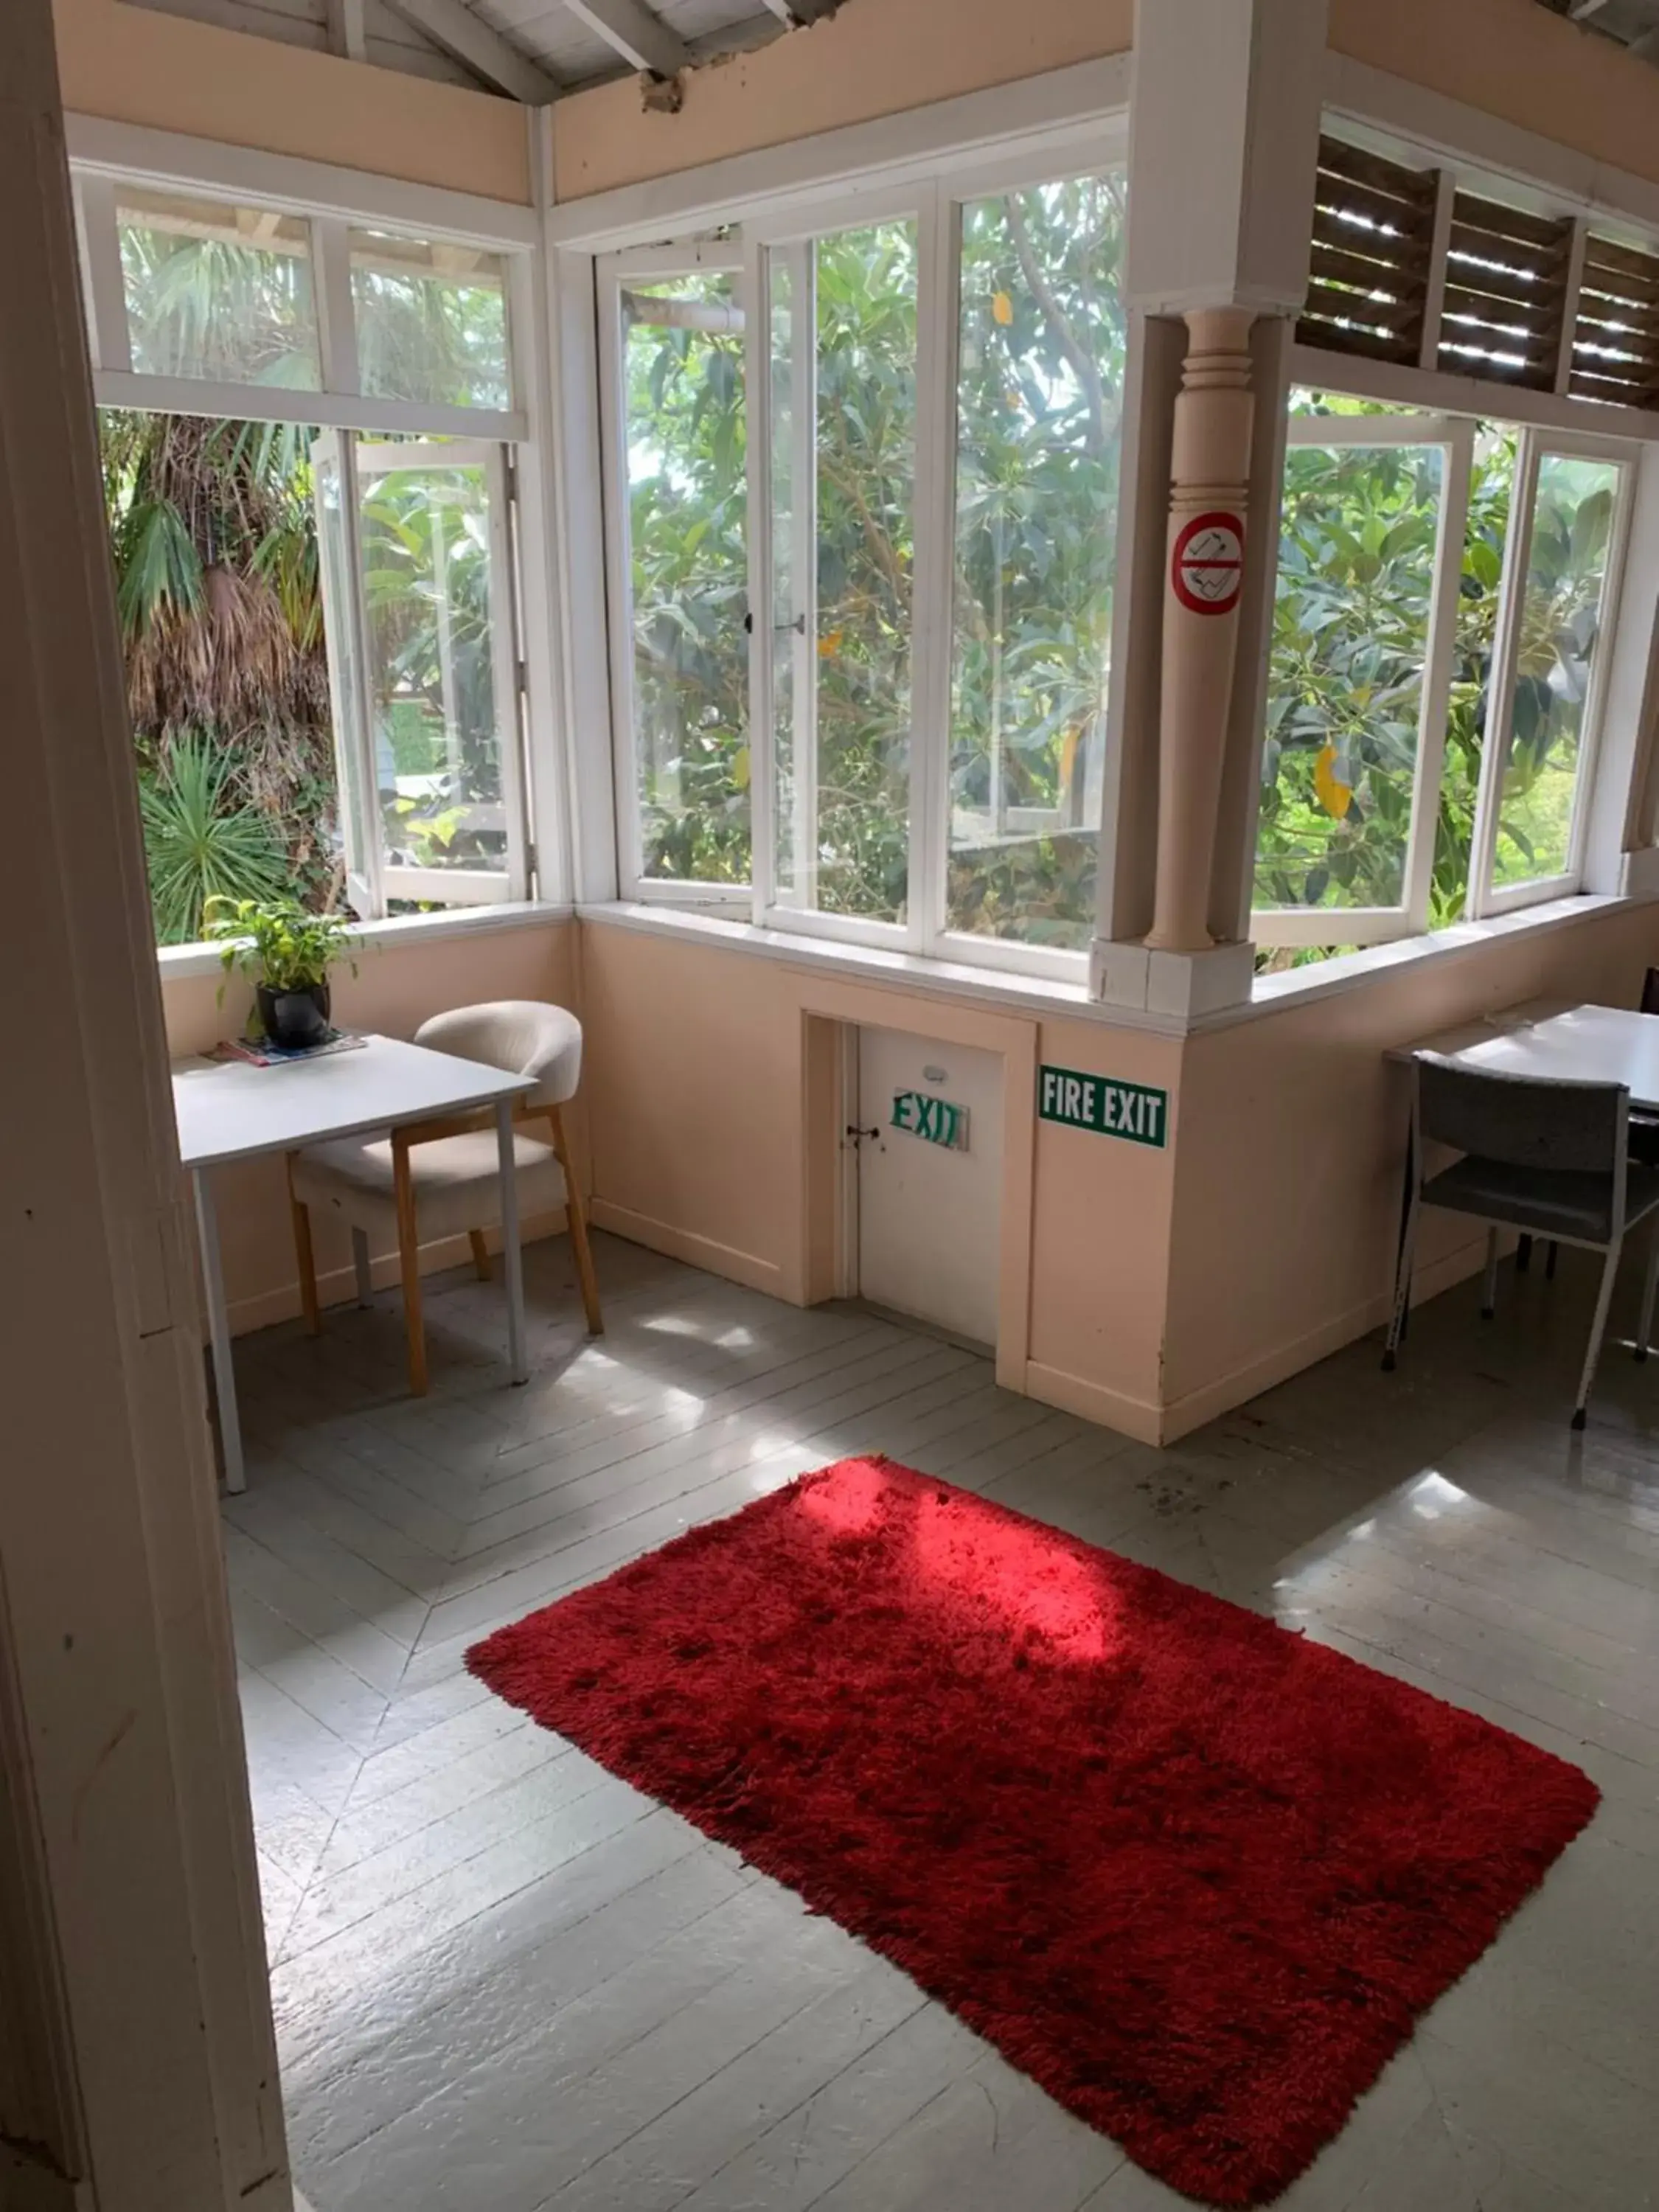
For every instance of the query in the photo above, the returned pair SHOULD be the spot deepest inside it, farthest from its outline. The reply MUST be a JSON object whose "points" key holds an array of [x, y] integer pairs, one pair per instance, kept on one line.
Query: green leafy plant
{"points": [[215, 555], [203, 846], [275, 942]]}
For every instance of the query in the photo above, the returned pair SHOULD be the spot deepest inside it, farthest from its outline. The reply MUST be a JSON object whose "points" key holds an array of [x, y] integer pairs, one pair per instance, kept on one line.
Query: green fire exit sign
{"points": [[1098, 1101]]}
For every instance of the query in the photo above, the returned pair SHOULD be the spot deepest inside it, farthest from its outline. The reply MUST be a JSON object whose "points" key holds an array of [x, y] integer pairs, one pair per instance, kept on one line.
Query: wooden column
{"points": [[138, 2066], [1210, 467]]}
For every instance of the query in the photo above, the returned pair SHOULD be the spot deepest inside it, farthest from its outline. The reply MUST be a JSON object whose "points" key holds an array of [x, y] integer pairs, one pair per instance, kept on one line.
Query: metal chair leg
{"points": [[1402, 1285], [1649, 1287], [1489, 1291], [1598, 1329]]}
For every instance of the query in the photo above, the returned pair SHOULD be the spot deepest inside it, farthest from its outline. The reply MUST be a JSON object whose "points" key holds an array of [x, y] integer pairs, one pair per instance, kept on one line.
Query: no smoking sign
{"points": [[1207, 565]]}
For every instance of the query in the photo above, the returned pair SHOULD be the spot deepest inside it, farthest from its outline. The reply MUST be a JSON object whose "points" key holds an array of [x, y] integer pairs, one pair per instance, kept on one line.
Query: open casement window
{"points": [[1370, 557], [1563, 555], [414, 546], [675, 422], [934, 384]]}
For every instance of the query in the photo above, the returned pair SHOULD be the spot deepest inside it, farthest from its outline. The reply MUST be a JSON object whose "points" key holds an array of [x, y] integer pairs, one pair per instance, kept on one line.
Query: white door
{"points": [[930, 1178]]}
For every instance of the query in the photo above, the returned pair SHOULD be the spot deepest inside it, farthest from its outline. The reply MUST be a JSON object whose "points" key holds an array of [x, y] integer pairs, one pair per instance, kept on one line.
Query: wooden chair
{"points": [[440, 1178]]}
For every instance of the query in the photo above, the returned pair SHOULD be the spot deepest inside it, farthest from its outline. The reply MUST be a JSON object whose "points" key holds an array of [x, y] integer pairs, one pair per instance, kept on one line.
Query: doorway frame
{"points": [[829, 1009]]}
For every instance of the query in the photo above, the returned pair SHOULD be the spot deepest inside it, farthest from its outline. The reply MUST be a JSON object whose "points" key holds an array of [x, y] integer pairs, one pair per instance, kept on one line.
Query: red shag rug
{"points": [[1194, 1874]]}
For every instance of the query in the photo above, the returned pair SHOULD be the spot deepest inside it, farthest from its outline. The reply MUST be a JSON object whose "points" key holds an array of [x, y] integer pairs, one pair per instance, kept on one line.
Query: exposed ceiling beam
{"points": [[347, 35], [642, 38], [454, 26]]}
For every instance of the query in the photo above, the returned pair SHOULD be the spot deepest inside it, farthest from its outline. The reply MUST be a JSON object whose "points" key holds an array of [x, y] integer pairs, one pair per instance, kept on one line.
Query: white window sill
{"points": [[1350, 971], [403, 933], [1039, 995], [870, 963]]}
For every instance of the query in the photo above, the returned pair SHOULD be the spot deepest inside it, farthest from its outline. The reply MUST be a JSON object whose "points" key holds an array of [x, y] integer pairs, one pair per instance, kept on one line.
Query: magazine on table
{"points": [[260, 1052]]}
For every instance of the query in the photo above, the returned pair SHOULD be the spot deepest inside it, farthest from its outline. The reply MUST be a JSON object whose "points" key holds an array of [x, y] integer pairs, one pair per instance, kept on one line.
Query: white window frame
{"points": [[105, 156], [935, 207], [1485, 898], [613, 273], [1454, 435]]}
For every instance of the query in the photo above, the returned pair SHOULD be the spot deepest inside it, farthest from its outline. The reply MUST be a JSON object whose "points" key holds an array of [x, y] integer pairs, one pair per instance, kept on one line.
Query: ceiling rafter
{"points": [[639, 36], [454, 26], [795, 14], [348, 35]]}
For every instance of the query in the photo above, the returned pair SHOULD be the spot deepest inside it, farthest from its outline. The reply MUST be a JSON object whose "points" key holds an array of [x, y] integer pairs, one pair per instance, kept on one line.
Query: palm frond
{"points": [[198, 846]]}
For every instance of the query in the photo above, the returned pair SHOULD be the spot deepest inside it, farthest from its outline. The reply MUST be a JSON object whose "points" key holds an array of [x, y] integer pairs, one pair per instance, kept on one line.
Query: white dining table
{"points": [[1580, 1044], [234, 1110]]}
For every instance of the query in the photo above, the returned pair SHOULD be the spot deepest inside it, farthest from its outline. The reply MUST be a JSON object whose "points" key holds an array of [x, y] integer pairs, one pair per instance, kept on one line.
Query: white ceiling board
{"points": [[570, 50], [547, 30]]}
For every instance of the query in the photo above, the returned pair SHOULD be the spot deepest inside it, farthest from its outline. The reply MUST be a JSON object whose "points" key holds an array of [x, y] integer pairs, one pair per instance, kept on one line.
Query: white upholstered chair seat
{"points": [[429, 1186], [457, 1182]]}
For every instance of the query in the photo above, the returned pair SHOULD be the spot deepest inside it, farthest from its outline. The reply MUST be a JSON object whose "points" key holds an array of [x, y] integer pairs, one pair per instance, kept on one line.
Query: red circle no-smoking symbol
{"points": [[1207, 565]]}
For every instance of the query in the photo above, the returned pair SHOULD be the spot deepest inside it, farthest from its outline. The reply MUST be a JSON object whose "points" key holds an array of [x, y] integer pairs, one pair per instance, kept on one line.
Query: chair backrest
{"points": [[1650, 992], [523, 1036], [1524, 1121]]}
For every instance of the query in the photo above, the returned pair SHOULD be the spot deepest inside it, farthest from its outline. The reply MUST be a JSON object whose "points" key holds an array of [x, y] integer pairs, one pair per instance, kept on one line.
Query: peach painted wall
{"points": [[696, 1103], [1511, 59], [1292, 1148], [875, 57], [133, 65], [393, 993], [1100, 1240], [1514, 59]]}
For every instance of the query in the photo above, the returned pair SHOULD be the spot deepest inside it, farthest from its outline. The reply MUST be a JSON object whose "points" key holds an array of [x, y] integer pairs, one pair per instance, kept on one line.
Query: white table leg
{"points": [[224, 1370], [360, 1261], [512, 1253]]}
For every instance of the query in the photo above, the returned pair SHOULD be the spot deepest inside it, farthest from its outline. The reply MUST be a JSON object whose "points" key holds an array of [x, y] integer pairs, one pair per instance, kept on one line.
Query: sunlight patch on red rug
{"points": [[1194, 1874]]}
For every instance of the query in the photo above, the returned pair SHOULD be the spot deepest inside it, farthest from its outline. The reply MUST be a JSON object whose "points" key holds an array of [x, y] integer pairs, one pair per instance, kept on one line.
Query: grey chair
{"points": [[1549, 1159]]}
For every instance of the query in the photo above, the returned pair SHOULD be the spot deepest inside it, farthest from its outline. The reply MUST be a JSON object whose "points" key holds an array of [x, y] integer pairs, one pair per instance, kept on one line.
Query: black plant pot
{"points": [[293, 1019]]}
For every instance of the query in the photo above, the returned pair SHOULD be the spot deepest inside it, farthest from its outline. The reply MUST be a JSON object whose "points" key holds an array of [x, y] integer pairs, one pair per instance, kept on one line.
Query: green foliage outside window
{"points": [[1041, 361], [1356, 573], [687, 494]]}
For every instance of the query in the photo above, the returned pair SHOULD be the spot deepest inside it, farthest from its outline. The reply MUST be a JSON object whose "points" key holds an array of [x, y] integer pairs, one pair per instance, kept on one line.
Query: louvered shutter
{"points": [[1615, 352], [1372, 243], [1506, 293]]}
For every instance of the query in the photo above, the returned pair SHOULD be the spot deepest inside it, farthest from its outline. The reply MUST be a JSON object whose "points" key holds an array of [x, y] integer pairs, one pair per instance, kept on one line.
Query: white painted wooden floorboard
{"points": [[509, 1982]]}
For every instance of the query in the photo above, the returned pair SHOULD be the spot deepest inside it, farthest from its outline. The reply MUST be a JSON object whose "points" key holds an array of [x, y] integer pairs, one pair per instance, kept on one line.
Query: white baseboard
{"points": [[746, 1267], [1094, 1401], [1182, 1415]]}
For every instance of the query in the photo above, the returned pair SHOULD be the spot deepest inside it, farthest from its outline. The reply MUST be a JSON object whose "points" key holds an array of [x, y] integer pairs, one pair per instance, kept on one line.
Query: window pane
{"points": [[683, 381], [845, 413], [1344, 687], [1560, 631], [217, 291], [429, 601], [431, 321], [340, 628], [1039, 397]]}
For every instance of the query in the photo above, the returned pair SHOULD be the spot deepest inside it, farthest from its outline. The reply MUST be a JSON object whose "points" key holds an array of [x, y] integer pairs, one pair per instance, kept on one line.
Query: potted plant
{"points": [[287, 954]]}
